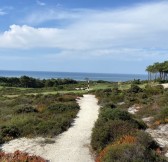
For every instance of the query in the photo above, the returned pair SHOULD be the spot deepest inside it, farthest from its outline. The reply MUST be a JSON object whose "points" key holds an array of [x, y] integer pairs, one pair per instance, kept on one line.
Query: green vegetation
{"points": [[119, 136], [28, 110], [158, 71], [29, 82], [33, 115]]}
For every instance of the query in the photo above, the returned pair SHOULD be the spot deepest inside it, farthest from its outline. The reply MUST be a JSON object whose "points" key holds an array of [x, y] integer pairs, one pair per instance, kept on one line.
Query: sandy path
{"points": [[72, 145]]}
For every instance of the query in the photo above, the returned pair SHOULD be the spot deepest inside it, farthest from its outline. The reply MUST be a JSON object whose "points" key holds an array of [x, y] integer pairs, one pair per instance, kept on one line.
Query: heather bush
{"points": [[135, 89], [18, 156], [130, 152], [118, 136], [154, 90], [60, 107], [114, 114], [106, 132], [26, 109], [36, 115], [8, 133]]}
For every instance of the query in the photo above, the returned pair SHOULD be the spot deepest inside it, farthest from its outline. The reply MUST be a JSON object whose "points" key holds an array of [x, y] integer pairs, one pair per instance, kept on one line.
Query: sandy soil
{"points": [[72, 145], [134, 109], [160, 134], [165, 85]]}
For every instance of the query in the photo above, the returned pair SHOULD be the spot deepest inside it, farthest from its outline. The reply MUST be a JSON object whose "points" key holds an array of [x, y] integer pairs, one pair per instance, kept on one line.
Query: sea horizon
{"points": [[73, 75]]}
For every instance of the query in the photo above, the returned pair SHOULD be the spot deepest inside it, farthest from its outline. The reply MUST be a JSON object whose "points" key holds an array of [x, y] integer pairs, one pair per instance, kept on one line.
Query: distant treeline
{"points": [[158, 71], [29, 82]]}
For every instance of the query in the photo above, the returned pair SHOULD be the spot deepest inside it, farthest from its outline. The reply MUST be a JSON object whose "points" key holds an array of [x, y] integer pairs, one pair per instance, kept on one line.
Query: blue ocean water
{"points": [[73, 75]]}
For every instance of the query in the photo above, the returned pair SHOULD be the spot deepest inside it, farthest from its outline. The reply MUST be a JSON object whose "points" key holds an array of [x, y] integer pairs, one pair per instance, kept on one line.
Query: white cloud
{"points": [[40, 3], [57, 14], [2, 12], [125, 33]]}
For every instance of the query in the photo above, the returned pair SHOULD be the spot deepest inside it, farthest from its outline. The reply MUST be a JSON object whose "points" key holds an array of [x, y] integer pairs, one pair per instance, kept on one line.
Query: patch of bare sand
{"points": [[165, 85], [70, 146], [160, 135], [134, 109]]}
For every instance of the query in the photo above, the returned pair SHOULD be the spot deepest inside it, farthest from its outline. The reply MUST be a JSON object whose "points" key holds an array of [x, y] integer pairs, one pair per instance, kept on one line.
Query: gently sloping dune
{"points": [[70, 146]]}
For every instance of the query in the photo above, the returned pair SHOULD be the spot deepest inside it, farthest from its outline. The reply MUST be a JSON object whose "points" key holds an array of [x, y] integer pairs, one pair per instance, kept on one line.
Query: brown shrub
{"points": [[19, 156]]}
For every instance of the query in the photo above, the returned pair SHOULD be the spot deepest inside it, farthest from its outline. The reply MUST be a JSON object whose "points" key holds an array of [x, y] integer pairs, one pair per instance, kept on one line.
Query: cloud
{"points": [[139, 32], [2, 12], [40, 3], [54, 14]]}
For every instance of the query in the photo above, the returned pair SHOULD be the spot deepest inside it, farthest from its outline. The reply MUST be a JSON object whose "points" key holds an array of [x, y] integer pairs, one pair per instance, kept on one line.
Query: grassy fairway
{"points": [[101, 86], [12, 92]]}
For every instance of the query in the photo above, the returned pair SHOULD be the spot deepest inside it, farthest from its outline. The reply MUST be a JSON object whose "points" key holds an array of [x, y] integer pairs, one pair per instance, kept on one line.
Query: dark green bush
{"points": [[60, 107], [154, 90], [131, 153], [125, 153], [146, 140], [108, 90], [9, 131], [1, 139], [114, 114], [136, 81], [110, 105], [36, 115], [26, 109], [107, 132], [164, 112], [135, 89]]}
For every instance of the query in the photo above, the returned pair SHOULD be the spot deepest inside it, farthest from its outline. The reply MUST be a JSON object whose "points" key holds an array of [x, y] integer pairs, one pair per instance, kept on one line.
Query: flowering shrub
{"points": [[125, 139], [18, 156]]}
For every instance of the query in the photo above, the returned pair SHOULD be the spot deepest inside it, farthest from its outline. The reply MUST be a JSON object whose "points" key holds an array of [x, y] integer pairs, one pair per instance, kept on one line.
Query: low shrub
{"points": [[129, 152], [154, 90], [60, 107], [110, 105], [114, 114], [18, 156], [8, 133], [108, 90], [26, 109], [164, 112], [135, 89], [108, 132], [146, 140], [36, 115], [162, 116]]}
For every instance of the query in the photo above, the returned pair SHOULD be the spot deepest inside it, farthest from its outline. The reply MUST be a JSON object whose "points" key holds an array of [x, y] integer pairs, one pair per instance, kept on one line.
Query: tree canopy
{"points": [[158, 71], [29, 82]]}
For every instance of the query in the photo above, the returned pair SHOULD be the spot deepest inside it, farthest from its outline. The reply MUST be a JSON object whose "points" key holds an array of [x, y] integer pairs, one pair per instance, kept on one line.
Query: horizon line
{"points": [[73, 72]]}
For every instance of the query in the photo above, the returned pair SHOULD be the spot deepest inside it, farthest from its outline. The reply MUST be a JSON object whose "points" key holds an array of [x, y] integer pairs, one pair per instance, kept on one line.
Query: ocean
{"points": [[74, 75]]}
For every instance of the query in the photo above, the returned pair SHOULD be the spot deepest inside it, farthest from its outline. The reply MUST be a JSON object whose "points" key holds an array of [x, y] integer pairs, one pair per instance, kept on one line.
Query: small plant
{"points": [[9, 132], [26, 109], [19, 156], [135, 89]]}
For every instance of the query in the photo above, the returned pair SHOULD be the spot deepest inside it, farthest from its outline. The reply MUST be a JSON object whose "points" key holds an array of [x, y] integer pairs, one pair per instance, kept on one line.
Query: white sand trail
{"points": [[72, 145]]}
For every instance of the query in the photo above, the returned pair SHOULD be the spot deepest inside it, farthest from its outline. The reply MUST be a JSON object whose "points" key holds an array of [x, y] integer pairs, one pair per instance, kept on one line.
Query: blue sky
{"points": [[110, 36]]}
